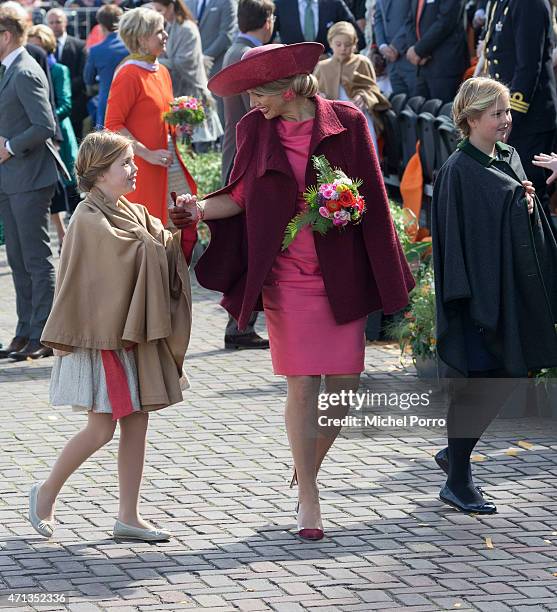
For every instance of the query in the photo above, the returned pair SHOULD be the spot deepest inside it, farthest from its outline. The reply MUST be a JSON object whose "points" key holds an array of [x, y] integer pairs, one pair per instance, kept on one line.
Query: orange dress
{"points": [[137, 100]]}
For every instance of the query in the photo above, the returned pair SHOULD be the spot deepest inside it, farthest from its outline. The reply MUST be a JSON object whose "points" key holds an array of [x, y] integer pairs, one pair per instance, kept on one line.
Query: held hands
{"points": [[160, 157], [186, 211], [549, 162], [530, 192]]}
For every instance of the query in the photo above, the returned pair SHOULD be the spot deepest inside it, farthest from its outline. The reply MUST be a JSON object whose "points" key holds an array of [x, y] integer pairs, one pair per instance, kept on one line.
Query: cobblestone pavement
{"points": [[217, 475]]}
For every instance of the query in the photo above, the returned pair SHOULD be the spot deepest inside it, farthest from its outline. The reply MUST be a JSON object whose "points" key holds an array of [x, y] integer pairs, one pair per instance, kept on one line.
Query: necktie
{"points": [[309, 23], [200, 9], [58, 49], [2, 70], [419, 12]]}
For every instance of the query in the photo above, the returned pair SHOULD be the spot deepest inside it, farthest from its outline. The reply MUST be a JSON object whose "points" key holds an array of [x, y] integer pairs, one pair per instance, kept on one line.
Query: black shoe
{"points": [[32, 350], [247, 341], [16, 344], [442, 460], [485, 507]]}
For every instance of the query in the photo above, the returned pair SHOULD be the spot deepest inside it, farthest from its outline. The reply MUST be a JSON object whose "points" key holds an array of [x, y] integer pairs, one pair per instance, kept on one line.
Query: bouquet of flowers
{"points": [[333, 202], [185, 112]]}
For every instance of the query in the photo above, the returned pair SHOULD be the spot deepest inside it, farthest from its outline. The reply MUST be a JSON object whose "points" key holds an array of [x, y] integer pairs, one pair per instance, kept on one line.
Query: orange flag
{"points": [[412, 184]]}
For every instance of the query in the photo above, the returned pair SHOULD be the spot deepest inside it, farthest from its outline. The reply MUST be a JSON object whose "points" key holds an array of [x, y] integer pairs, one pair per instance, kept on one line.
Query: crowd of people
{"points": [[82, 131]]}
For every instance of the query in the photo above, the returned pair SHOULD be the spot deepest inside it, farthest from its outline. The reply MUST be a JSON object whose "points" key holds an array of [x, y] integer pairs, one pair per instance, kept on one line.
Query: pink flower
{"points": [[327, 191], [324, 212], [341, 218]]}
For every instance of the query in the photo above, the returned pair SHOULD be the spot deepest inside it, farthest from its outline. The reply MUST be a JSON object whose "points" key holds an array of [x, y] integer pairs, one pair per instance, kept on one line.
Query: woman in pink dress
{"points": [[317, 293]]}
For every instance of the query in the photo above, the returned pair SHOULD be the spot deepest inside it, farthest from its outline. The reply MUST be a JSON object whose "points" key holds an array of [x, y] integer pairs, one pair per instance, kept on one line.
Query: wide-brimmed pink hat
{"points": [[266, 64]]}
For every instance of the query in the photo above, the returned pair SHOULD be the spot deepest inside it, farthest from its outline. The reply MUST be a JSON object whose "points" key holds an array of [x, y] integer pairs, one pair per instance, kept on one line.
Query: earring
{"points": [[288, 95]]}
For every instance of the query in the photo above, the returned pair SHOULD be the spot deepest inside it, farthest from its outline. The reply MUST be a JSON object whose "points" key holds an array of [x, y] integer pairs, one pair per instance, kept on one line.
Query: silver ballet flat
{"points": [[121, 530], [42, 526]]}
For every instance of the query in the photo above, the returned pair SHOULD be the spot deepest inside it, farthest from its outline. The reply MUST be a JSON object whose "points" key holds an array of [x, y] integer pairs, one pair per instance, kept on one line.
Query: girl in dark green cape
{"points": [[495, 262]]}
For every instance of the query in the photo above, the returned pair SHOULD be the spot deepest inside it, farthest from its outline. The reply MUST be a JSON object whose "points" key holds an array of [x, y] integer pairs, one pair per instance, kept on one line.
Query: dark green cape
{"points": [[494, 261]]}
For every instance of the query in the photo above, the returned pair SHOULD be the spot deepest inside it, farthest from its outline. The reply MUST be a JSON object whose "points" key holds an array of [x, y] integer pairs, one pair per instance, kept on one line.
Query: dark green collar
{"points": [[467, 147]]}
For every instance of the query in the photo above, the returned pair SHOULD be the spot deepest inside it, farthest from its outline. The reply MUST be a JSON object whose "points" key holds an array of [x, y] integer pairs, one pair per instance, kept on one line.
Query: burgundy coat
{"points": [[363, 266]]}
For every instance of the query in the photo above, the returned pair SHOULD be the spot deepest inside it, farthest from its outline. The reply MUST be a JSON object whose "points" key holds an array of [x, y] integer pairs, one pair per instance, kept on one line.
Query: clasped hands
{"points": [[414, 58], [389, 53], [186, 212]]}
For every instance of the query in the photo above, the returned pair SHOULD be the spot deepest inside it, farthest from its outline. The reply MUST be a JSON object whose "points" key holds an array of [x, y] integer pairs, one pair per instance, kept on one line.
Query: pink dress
{"points": [[304, 336]]}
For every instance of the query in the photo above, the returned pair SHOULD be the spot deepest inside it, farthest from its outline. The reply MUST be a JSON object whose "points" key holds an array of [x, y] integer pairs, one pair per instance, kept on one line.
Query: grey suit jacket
{"points": [[389, 23], [27, 121], [184, 59], [217, 27], [235, 107]]}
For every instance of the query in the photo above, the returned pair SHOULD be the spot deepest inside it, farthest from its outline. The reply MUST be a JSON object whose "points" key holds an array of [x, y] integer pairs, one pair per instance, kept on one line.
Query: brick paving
{"points": [[217, 475]]}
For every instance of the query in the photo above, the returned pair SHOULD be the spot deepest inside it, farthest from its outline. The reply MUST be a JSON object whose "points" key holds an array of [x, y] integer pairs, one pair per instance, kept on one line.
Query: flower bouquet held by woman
{"points": [[334, 202], [186, 113]]}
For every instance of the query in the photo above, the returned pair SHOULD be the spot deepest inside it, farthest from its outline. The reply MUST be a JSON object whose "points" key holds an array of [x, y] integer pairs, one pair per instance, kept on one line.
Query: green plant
{"points": [[418, 254], [415, 330], [206, 170]]}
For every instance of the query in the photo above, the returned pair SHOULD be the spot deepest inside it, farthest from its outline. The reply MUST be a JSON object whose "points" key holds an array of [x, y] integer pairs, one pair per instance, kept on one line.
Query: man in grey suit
{"points": [[216, 20], [390, 35], [28, 175], [255, 21]]}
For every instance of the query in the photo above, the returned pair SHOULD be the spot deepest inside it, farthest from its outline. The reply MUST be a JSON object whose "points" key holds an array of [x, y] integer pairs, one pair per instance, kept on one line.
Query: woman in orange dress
{"points": [[139, 95]]}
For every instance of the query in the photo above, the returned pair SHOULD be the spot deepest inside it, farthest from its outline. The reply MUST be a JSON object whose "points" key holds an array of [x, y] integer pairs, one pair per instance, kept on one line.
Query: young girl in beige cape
{"points": [[120, 326], [348, 75]]}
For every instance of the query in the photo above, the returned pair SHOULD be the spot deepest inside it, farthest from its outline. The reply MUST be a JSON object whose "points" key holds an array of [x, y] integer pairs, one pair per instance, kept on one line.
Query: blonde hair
{"points": [[304, 85], [97, 152], [136, 24], [474, 97], [342, 27], [45, 35], [15, 19]]}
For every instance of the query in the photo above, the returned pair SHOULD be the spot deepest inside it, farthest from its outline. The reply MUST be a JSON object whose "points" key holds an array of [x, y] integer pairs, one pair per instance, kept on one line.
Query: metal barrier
{"points": [[81, 19]]}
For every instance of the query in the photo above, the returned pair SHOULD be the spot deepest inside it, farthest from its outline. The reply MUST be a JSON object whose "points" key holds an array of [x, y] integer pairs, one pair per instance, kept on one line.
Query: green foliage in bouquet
{"points": [[324, 170]]}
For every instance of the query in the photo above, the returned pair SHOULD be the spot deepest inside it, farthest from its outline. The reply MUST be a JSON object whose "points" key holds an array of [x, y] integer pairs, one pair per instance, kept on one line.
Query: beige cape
{"points": [[123, 281], [357, 76]]}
